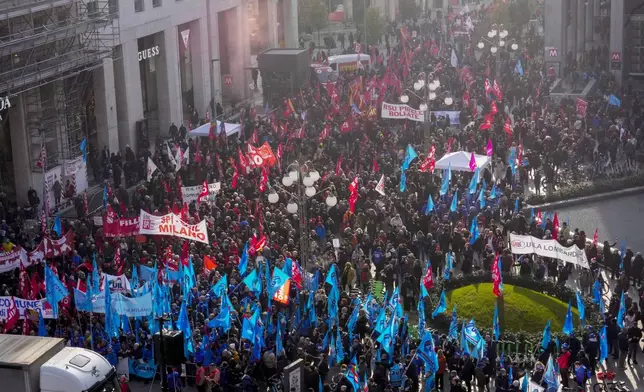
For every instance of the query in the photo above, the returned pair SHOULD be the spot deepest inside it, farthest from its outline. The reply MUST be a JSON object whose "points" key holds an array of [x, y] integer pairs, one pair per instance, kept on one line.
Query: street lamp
{"points": [[304, 178], [500, 35]]}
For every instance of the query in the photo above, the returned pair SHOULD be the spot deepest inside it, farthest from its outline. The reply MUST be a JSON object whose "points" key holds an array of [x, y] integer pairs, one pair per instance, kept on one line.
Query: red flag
{"points": [[296, 275], [375, 165], [254, 139], [81, 286], [555, 227], [263, 179], [493, 109], [209, 263], [233, 183], [466, 98], [326, 132], [352, 202], [595, 237], [185, 253], [497, 91], [496, 277], [428, 279], [204, 191], [539, 217], [488, 87], [12, 316], [211, 130], [118, 264], [23, 283], [26, 330], [345, 127], [338, 166], [488, 120], [279, 154], [35, 287], [353, 186], [507, 127], [185, 213], [244, 164]]}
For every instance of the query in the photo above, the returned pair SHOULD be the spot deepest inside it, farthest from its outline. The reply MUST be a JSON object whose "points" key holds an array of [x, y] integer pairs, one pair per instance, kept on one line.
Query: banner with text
{"points": [[400, 112], [120, 227], [118, 284], [525, 244], [454, 116], [122, 305], [142, 369], [23, 304], [191, 193], [172, 225]]}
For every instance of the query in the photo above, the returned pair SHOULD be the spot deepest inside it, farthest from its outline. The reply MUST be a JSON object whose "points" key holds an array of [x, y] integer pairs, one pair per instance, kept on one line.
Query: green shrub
{"points": [[588, 189]]}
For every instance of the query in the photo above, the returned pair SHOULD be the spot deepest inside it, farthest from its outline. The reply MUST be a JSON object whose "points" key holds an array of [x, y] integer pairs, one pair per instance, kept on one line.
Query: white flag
{"points": [[170, 156], [177, 159], [186, 155], [151, 169], [454, 59], [380, 188], [469, 24]]}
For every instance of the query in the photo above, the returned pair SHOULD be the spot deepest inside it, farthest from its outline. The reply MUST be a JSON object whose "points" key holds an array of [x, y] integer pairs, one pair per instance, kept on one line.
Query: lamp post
{"points": [[164, 377], [303, 177], [430, 95], [498, 38]]}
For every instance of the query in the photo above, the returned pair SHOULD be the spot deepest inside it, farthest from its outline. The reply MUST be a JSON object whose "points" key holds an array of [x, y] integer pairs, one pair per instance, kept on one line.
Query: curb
{"points": [[588, 199]]}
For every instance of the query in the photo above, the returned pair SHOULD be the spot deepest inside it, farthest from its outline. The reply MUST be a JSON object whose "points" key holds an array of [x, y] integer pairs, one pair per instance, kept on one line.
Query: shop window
{"points": [[156, 3], [138, 5]]}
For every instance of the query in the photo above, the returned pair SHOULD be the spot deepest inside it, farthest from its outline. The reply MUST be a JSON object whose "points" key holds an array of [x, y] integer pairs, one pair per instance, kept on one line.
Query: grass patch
{"points": [[525, 310]]}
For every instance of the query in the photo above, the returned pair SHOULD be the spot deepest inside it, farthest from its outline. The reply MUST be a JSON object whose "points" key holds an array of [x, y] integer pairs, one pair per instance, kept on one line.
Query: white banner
{"points": [[454, 116], [185, 36], [122, 305], [22, 304], [190, 193], [118, 284], [72, 166], [172, 225], [525, 244], [400, 111]]}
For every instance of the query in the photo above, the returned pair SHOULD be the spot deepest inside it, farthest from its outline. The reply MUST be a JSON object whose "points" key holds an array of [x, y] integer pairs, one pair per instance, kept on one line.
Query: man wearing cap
{"points": [[564, 363]]}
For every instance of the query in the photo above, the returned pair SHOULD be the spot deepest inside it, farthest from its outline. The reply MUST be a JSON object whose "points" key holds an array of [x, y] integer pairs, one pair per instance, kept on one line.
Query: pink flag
{"points": [[489, 149], [472, 162]]}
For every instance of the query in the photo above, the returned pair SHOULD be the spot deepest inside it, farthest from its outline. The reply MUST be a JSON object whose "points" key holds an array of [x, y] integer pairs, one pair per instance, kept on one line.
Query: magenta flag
{"points": [[490, 149], [472, 162]]}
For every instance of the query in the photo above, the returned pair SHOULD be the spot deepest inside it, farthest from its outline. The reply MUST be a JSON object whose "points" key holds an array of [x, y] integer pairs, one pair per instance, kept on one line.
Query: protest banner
{"points": [[123, 227], [524, 244], [122, 305], [47, 248], [12, 260], [22, 305], [454, 116], [401, 112], [191, 193], [171, 224]]}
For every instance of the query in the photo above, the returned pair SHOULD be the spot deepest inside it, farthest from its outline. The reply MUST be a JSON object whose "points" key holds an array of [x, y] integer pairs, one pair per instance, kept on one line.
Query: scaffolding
{"points": [[48, 52]]}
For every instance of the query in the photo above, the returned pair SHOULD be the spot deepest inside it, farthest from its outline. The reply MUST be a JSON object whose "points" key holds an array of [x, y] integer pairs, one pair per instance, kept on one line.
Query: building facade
{"points": [[108, 70]]}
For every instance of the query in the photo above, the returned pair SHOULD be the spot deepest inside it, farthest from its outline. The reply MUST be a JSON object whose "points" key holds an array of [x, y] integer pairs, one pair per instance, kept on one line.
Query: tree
{"points": [[408, 9], [312, 16], [375, 26]]}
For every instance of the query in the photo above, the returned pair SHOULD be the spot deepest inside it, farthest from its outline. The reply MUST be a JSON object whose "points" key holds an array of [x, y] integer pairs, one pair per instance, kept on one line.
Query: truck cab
{"points": [[78, 370]]}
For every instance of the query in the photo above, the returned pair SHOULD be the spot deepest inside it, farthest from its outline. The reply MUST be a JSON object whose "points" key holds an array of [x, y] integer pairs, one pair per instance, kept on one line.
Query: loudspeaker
{"points": [[172, 347]]}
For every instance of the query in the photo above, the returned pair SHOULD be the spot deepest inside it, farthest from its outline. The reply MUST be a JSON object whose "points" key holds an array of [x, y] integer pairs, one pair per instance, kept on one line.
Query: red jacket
{"points": [[564, 360]]}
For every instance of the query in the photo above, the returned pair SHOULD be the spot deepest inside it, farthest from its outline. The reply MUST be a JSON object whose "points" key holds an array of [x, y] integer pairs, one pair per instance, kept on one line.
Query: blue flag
{"points": [[518, 68], [410, 155], [622, 312], [83, 148], [278, 341], [603, 344], [430, 205], [597, 293], [622, 253], [516, 205], [254, 283], [482, 203], [243, 261], [55, 290], [96, 281], [525, 383], [279, 279], [581, 308], [493, 192], [442, 305], [394, 303], [448, 266], [550, 376], [545, 339], [447, 177], [249, 326], [454, 205], [135, 280], [111, 323], [474, 231], [332, 276], [403, 182], [42, 330], [58, 227], [453, 325], [568, 327], [495, 326], [183, 323], [420, 308], [427, 353], [105, 197], [220, 288], [339, 350], [474, 182], [613, 100]]}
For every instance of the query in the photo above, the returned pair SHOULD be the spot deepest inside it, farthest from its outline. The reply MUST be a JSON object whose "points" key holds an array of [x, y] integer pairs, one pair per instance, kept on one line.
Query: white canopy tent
{"points": [[204, 130], [460, 161]]}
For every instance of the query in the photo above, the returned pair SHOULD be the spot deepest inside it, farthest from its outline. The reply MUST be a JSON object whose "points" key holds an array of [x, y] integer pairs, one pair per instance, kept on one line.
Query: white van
{"points": [[349, 62]]}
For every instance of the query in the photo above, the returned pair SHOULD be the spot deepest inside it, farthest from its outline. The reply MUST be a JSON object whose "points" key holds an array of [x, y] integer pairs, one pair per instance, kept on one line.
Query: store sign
{"points": [[228, 80], [148, 53], [4, 104], [616, 56], [552, 52]]}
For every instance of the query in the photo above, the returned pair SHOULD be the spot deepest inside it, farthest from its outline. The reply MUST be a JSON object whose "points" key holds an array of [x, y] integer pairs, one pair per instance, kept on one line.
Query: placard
{"points": [[172, 225], [454, 116], [191, 193]]}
